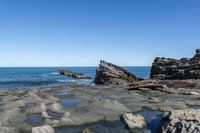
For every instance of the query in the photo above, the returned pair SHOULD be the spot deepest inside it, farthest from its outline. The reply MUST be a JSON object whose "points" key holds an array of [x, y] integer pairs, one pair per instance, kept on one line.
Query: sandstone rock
{"points": [[43, 129], [46, 116], [73, 75], [154, 99], [181, 121], [134, 121], [87, 131], [56, 107], [8, 130], [148, 85], [109, 74], [151, 84], [185, 68], [194, 93]]}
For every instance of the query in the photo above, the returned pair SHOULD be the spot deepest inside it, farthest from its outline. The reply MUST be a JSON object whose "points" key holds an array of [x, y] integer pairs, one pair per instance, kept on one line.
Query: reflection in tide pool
{"points": [[34, 119], [69, 103], [153, 119]]}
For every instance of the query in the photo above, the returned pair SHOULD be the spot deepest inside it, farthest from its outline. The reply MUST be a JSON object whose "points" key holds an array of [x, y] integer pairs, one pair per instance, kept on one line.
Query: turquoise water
{"points": [[12, 78]]}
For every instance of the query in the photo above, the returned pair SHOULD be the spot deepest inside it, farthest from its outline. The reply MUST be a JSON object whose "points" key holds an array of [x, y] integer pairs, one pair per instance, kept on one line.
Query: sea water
{"points": [[36, 77]]}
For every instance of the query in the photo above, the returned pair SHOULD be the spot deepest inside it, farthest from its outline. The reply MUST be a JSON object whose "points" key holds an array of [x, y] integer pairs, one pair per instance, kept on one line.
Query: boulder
{"points": [[73, 75], [134, 121], [110, 74], [56, 107], [43, 129], [180, 121], [185, 68]]}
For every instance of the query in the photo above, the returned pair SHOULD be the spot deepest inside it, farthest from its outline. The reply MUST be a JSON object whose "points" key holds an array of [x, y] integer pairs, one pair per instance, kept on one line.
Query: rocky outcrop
{"points": [[43, 129], [134, 121], [151, 84], [185, 68], [109, 74], [73, 75], [183, 87], [181, 121]]}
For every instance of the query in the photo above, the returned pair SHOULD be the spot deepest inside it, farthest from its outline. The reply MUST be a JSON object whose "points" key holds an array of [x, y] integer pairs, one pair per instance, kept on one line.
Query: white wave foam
{"points": [[62, 81], [55, 73]]}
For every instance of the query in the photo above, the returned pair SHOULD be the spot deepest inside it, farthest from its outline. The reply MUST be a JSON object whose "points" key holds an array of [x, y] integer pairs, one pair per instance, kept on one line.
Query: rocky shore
{"points": [[23, 109], [166, 103]]}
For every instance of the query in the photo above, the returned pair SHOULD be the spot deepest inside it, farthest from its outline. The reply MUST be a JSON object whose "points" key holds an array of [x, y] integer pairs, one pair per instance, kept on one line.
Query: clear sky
{"points": [[81, 32]]}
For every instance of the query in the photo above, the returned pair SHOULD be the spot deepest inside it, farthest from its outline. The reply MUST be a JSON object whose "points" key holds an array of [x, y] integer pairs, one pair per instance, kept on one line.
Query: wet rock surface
{"points": [[185, 68], [89, 104], [184, 87], [110, 74], [43, 129], [181, 121], [8, 130]]}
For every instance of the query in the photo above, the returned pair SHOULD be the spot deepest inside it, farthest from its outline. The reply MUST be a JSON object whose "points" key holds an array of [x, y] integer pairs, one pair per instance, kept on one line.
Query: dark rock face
{"points": [[73, 75], [185, 68], [180, 121], [109, 74]]}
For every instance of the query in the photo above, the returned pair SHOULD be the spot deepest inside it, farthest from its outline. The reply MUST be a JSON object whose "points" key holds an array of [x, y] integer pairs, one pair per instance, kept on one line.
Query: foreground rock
{"points": [[108, 74], [43, 129], [185, 68], [23, 109], [87, 131], [181, 121], [8, 130], [134, 121], [73, 75]]}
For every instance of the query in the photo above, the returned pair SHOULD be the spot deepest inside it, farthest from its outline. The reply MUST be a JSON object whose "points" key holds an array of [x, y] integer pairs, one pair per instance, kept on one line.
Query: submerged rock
{"points": [[110, 74], [134, 121], [181, 121], [73, 75], [185, 68], [43, 129]]}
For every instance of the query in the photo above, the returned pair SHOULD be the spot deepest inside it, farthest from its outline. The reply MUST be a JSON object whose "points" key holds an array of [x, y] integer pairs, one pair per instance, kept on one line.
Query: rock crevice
{"points": [[181, 121]]}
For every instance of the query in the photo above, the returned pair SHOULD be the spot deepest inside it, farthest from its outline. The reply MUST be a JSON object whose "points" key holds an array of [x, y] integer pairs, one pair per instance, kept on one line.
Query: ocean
{"points": [[36, 77]]}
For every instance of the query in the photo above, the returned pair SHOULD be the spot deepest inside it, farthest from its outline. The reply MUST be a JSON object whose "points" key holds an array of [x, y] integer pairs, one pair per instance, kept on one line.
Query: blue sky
{"points": [[81, 32]]}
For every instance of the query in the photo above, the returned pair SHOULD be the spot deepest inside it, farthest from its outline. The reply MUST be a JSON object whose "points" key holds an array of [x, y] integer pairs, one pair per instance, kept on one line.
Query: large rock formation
{"points": [[181, 121], [185, 68], [109, 74], [73, 75]]}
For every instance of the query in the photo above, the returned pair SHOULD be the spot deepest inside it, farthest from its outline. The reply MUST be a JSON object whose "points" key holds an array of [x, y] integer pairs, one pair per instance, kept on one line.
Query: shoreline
{"points": [[77, 105]]}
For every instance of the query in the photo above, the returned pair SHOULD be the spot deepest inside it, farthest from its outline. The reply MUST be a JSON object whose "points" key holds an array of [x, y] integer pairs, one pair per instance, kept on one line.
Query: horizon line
{"points": [[66, 66]]}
